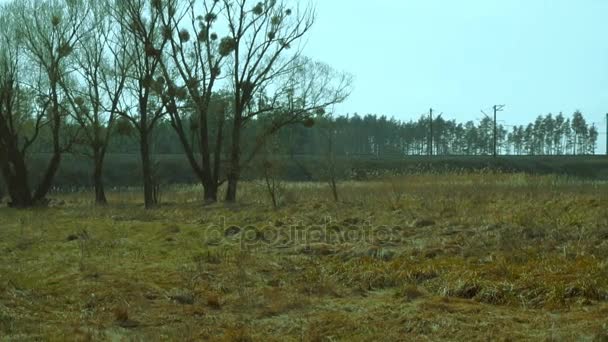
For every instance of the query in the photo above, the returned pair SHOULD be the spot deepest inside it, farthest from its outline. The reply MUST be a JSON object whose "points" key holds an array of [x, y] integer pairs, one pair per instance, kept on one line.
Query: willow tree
{"points": [[37, 38], [141, 23], [101, 65], [14, 138], [270, 80], [191, 70]]}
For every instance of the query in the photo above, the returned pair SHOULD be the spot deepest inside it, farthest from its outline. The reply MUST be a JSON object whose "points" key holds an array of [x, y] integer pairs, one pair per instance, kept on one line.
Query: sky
{"points": [[459, 57]]}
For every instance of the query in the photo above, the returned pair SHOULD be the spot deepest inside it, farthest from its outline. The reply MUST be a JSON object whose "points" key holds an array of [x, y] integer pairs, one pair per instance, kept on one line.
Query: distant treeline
{"points": [[373, 135], [381, 136]]}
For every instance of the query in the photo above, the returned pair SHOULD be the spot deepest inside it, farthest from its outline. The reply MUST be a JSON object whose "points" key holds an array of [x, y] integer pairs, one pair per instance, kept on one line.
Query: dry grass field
{"points": [[475, 256]]}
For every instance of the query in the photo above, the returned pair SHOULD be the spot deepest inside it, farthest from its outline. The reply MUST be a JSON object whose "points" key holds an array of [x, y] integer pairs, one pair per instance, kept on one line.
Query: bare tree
{"points": [[193, 69], [330, 168], [273, 168], [332, 178], [302, 98], [101, 65], [37, 39], [14, 141], [264, 74], [141, 22], [268, 77]]}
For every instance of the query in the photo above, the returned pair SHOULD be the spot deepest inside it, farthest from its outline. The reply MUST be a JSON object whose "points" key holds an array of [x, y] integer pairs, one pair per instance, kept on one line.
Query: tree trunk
{"points": [[149, 198], [334, 188], [19, 192], [207, 176], [47, 181], [16, 179], [235, 159], [205, 157], [231, 190], [210, 192], [270, 186], [332, 166], [100, 195]]}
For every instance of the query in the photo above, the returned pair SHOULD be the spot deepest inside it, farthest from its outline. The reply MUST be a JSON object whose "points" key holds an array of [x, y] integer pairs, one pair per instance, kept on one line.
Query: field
{"points": [[457, 256]]}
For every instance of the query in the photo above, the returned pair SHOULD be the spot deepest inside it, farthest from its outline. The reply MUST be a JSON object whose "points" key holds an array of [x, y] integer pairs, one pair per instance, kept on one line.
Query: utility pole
{"points": [[607, 134], [431, 137], [496, 110]]}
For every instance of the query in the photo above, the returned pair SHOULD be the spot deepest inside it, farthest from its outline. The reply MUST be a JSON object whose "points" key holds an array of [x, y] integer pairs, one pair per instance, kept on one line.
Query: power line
{"points": [[496, 109]]}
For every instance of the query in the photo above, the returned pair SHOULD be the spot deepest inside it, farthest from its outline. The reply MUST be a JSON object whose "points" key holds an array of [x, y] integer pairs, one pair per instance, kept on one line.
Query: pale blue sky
{"points": [[534, 56]]}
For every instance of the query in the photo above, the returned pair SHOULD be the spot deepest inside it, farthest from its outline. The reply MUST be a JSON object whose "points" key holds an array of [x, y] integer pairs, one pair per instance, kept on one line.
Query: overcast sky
{"points": [[534, 56]]}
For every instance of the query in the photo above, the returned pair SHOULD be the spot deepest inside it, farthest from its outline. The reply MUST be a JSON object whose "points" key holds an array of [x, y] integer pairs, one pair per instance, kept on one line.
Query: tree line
{"points": [[75, 74], [378, 135], [383, 136]]}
